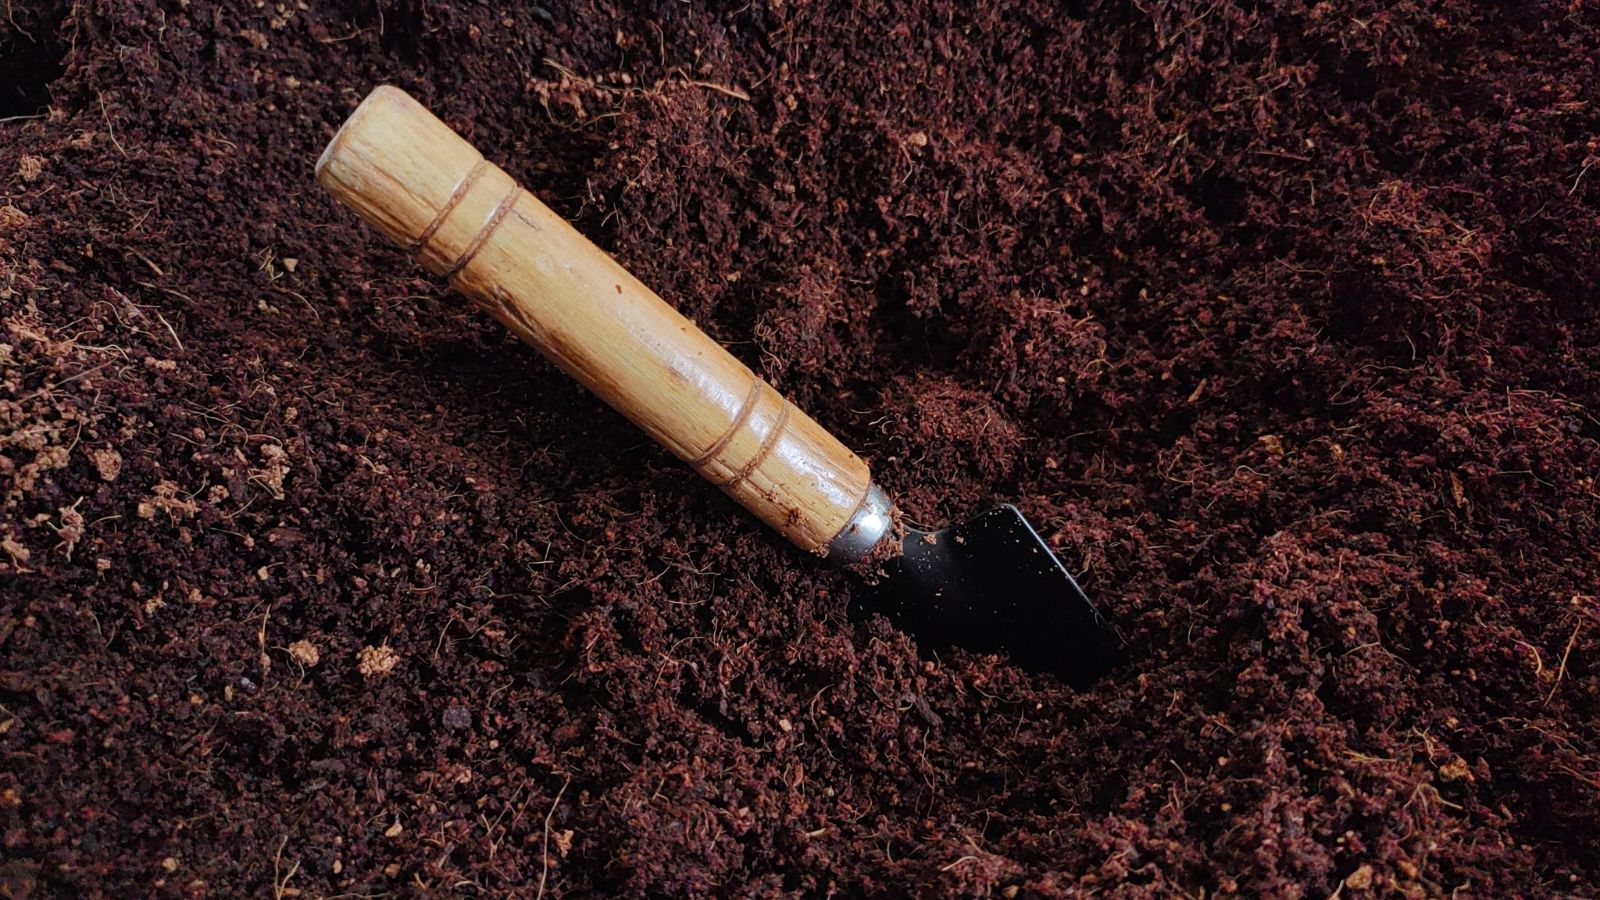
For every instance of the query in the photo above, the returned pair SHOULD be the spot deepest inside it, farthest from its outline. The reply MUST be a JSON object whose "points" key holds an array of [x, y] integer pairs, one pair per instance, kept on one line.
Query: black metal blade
{"points": [[991, 584]]}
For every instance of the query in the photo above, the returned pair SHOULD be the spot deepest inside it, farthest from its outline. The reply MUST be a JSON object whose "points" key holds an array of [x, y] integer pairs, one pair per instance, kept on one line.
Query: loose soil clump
{"points": [[1278, 321]]}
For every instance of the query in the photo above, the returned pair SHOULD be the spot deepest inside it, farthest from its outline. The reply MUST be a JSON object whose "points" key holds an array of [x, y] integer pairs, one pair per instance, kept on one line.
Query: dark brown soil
{"points": [[1281, 325]]}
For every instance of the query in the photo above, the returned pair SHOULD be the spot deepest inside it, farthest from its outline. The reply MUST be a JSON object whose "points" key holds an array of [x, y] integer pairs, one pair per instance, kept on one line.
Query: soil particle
{"points": [[1276, 319], [457, 717], [305, 653], [376, 662], [1360, 879], [107, 462], [29, 168]]}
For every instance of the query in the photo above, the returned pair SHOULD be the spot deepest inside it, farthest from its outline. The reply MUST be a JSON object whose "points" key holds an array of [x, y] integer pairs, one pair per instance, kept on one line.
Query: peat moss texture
{"points": [[1278, 320]]}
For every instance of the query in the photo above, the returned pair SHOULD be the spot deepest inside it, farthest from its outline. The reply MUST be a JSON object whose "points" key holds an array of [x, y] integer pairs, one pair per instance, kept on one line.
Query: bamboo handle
{"points": [[462, 217]]}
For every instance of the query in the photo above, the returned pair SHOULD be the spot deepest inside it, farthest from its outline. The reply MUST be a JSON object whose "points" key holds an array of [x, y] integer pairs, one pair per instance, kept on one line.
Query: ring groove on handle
{"points": [[461, 189], [774, 435], [483, 235], [743, 416]]}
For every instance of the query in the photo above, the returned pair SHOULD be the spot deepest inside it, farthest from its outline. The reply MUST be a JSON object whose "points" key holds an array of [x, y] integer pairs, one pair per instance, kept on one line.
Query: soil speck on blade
{"points": [[1277, 319]]}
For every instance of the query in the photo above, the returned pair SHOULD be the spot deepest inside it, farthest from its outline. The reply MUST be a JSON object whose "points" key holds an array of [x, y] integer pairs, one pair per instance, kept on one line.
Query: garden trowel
{"points": [[989, 584]]}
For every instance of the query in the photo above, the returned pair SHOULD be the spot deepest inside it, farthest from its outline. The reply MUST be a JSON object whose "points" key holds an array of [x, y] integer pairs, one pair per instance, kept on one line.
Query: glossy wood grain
{"points": [[464, 218]]}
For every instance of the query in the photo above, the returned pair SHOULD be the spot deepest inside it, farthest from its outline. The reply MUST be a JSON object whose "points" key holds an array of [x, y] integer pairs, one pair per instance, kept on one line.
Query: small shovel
{"points": [[989, 584]]}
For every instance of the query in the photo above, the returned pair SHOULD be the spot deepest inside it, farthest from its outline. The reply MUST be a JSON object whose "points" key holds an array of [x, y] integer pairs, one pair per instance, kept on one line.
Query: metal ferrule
{"points": [[872, 520]]}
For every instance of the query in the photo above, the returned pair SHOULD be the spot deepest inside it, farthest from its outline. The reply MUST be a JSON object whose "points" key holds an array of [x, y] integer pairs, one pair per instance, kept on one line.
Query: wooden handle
{"points": [[408, 173]]}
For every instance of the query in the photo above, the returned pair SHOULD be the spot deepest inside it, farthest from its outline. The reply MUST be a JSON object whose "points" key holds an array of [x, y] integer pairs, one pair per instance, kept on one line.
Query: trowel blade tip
{"points": [[991, 584]]}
